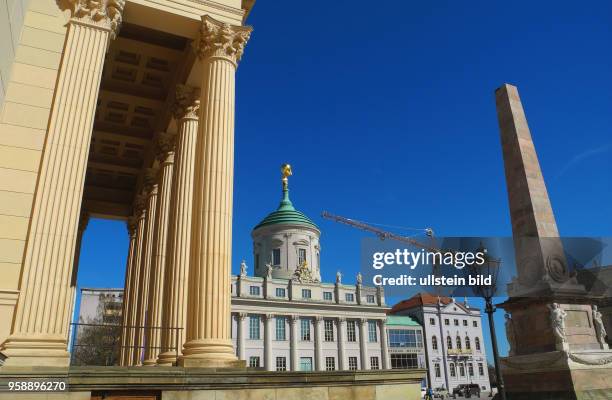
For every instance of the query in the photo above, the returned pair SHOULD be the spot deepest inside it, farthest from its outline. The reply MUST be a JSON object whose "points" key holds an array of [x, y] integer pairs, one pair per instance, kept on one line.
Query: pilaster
{"points": [[294, 320], [268, 332], [363, 343]]}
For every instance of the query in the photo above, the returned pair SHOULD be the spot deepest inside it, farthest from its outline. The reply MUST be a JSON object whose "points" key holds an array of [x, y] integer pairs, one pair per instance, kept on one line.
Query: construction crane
{"points": [[382, 234]]}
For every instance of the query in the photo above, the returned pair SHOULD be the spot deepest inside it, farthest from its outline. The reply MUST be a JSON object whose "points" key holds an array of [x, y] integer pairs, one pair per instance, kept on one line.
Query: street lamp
{"points": [[490, 267]]}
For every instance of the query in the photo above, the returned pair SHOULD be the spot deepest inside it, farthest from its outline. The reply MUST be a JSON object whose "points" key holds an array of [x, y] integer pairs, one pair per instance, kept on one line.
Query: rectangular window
{"points": [[330, 364], [305, 363], [254, 327], [256, 262], [350, 297], [475, 324], [276, 257], [461, 369], [328, 324], [353, 363], [445, 321], [374, 363], [301, 256], [351, 334], [437, 370], [305, 325], [453, 373], [405, 338], [372, 334], [465, 322], [370, 299], [281, 363], [280, 292], [254, 362], [456, 322], [280, 328], [432, 321], [306, 293], [327, 296], [471, 369], [254, 290], [404, 361], [480, 369]]}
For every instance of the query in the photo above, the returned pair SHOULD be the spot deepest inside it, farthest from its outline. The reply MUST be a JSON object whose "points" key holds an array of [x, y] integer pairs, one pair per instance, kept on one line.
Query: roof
{"points": [[286, 214], [401, 320], [419, 300]]}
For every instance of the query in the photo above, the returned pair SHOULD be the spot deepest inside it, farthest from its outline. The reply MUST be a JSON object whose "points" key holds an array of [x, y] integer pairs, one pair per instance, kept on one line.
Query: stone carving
{"points": [[186, 102], [219, 39], [164, 146], [243, 268], [590, 361], [510, 335], [557, 322], [338, 277], [268, 271], [359, 278], [303, 274], [103, 13], [556, 268], [600, 329]]}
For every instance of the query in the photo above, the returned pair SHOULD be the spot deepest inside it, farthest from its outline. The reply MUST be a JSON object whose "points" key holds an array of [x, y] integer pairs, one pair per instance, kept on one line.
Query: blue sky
{"points": [[386, 112]]}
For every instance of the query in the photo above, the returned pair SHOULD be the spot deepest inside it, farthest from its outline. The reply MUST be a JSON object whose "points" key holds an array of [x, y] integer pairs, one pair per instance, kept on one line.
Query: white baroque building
{"points": [[454, 343], [285, 318]]}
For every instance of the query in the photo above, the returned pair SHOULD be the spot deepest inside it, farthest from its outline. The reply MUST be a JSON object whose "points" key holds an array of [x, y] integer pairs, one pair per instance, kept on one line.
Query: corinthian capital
{"points": [[219, 39], [101, 13], [186, 102], [164, 146]]}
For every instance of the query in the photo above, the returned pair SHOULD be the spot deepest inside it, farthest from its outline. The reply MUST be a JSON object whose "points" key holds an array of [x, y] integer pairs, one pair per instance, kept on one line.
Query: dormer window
{"points": [[276, 257]]}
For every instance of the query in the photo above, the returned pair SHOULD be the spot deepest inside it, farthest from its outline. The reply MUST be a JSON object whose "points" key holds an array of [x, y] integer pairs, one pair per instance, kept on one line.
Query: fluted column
{"points": [[341, 343], [186, 108], [268, 332], [165, 156], [240, 317], [132, 224], [39, 332], [145, 265], [319, 364], [363, 343], [219, 47], [131, 308], [386, 360]]}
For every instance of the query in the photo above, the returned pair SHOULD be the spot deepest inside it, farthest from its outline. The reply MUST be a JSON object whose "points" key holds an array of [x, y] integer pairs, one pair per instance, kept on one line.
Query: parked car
{"points": [[466, 390]]}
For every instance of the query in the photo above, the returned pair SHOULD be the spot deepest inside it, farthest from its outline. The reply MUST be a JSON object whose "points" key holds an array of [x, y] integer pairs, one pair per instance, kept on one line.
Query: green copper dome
{"points": [[286, 214]]}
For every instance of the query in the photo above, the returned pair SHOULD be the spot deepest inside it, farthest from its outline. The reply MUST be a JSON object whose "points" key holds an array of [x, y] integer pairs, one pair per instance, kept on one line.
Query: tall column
{"points": [[165, 156], [341, 343], [220, 47], [294, 320], [384, 345], [185, 109], [363, 343], [140, 321], [240, 317], [319, 364], [132, 224], [39, 332], [83, 222], [268, 332], [131, 308]]}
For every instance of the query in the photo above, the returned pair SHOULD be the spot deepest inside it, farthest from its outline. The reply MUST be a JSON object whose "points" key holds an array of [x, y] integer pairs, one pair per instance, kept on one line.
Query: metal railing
{"points": [[100, 344]]}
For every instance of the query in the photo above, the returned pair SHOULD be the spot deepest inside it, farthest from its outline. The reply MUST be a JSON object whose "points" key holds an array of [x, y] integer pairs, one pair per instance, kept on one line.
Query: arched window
{"points": [[458, 343], [449, 342], [477, 343], [434, 342], [468, 345]]}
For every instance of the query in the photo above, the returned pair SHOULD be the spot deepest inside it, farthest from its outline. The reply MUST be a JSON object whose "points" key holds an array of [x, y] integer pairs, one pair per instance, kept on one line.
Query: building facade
{"points": [[454, 343], [101, 306]]}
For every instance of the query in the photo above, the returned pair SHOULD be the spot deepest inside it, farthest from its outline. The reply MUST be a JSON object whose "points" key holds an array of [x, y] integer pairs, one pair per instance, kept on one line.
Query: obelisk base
{"points": [[559, 375]]}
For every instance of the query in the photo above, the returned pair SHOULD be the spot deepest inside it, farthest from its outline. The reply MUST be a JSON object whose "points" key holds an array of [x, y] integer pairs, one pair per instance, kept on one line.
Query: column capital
{"points": [[149, 181], [241, 316], [132, 225], [363, 321], [294, 318], [140, 205], [341, 319], [164, 147], [221, 40], [186, 102], [104, 14], [318, 318], [268, 316]]}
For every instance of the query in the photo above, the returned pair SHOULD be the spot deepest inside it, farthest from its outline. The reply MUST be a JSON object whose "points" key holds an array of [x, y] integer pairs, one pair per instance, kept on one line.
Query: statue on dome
{"points": [[303, 274], [243, 268], [286, 172]]}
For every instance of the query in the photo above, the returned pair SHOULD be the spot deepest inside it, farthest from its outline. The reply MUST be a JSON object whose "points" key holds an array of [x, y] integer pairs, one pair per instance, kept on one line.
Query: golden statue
{"points": [[286, 172]]}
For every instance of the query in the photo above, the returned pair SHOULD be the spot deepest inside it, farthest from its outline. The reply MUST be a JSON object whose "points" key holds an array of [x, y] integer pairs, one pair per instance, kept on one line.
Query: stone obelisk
{"points": [[554, 350]]}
